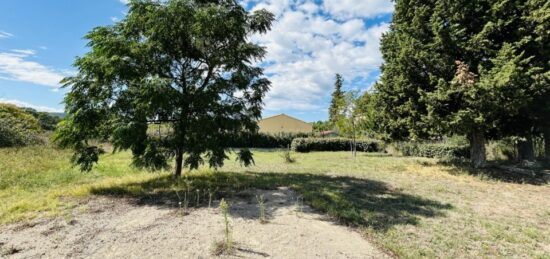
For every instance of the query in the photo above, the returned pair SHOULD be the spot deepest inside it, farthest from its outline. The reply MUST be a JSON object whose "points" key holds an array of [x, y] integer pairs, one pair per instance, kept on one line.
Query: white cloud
{"points": [[29, 105], [306, 48], [343, 9], [4, 34], [124, 1], [15, 65], [26, 52]]}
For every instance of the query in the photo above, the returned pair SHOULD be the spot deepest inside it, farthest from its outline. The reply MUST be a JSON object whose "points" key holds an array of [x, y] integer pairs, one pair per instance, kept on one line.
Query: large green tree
{"points": [[458, 67], [187, 65]]}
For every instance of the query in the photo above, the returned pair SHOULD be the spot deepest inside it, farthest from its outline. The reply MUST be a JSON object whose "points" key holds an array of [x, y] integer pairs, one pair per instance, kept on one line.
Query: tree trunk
{"points": [[546, 134], [179, 163], [354, 150], [526, 150], [477, 149]]}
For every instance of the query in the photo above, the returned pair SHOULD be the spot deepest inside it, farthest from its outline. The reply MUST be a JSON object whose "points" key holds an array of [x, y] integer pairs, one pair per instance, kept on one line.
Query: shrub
{"points": [[431, 150], [262, 140], [47, 121], [334, 144], [287, 157], [17, 128]]}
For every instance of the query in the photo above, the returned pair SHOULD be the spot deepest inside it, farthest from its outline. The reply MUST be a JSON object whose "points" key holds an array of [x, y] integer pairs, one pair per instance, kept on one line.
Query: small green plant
{"points": [[211, 196], [299, 205], [226, 245], [261, 204], [287, 156], [198, 198], [182, 204]]}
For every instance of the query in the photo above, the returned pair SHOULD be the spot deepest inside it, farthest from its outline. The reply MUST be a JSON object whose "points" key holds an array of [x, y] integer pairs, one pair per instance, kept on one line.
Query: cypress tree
{"points": [[461, 67], [338, 100]]}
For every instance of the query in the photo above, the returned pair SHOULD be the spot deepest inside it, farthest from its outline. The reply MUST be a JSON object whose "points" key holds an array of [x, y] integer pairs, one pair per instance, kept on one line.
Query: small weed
{"points": [[287, 156], [261, 203], [209, 198], [211, 194], [69, 217], [198, 198], [225, 246], [182, 204], [299, 205]]}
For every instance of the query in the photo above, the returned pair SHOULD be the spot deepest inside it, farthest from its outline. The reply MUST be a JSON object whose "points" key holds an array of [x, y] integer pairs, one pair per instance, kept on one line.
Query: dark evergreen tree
{"points": [[337, 102], [458, 67]]}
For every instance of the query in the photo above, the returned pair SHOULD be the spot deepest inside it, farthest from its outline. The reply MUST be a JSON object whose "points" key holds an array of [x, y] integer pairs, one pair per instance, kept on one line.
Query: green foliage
{"points": [[334, 144], [287, 157], [476, 68], [179, 63], [502, 149], [432, 150], [337, 103], [366, 114], [347, 119], [320, 126], [261, 205], [48, 121], [228, 239], [263, 140], [245, 157], [17, 127]]}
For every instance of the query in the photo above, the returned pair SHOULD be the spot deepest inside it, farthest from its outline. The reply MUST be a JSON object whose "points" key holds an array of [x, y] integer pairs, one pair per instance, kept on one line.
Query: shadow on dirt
{"points": [[351, 201]]}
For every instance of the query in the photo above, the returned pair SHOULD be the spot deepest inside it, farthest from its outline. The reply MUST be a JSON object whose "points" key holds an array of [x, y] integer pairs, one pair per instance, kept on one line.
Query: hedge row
{"points": [[261, 140], [432, 150], [334, 144]]}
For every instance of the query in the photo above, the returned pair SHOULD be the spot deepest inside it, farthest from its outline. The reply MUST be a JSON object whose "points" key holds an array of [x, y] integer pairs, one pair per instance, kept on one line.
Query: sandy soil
{"points": [[118, 228]]}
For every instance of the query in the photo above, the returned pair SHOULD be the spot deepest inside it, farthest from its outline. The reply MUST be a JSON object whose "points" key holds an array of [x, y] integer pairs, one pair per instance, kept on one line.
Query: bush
{"points": [[47, 121], [334, 144], [431, 150], [17, 128], [262, 140]]}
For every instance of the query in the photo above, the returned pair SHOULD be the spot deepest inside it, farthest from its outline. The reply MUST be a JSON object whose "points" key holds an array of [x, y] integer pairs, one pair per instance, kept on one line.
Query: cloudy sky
{"points": [[311, 40]]}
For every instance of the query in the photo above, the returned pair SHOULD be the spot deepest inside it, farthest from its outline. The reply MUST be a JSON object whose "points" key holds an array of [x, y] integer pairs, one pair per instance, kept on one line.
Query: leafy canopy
{"points": [[185, 64]]}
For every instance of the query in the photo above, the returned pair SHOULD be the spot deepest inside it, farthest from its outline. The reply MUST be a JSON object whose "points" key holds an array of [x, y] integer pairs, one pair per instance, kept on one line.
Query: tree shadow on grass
{"points": [[493, 171], [351, 201]]}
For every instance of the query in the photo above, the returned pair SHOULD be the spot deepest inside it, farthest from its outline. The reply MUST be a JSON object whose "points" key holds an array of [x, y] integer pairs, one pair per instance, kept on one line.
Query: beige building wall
{"points": [[284, 124]]}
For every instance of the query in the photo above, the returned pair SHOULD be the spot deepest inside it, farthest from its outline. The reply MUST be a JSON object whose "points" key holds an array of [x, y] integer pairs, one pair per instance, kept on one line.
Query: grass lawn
{"points": [[410, 207]]}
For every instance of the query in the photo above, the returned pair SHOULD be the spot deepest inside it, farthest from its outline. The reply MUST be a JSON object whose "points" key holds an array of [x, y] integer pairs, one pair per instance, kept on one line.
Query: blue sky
{"points": [[310, 42]]}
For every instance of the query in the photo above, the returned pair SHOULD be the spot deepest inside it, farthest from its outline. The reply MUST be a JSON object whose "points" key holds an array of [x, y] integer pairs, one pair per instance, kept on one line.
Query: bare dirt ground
{"points": [[121, 228]]}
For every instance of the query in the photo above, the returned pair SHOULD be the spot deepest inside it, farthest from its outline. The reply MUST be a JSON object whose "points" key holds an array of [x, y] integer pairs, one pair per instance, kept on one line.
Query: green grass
{"points": [[411, 207]]}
